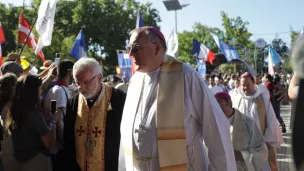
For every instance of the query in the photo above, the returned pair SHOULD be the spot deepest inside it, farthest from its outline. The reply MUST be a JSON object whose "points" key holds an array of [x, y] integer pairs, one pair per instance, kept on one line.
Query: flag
{"points": [[290, 28], [2, 37], [45, 23], [172, 44], [273, 59], [201, 67], [2, 40], [79, 48], [24, 29], [202, 52], [125, 64], [139, 20], [229, 52], [195, 48], [206, 54], [301, 34], [270, 64]]}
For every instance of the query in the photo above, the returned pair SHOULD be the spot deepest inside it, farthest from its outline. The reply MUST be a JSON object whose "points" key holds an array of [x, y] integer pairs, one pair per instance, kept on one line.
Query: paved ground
{"points": [[284, 154]]}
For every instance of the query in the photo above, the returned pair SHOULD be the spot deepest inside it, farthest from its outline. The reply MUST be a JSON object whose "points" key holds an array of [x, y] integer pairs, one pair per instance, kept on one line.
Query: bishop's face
{"points": [[247, 85], [143, 50]]}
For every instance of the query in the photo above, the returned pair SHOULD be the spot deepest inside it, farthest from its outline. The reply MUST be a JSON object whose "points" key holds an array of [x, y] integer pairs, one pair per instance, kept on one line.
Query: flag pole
{"points": [[28, 35]]}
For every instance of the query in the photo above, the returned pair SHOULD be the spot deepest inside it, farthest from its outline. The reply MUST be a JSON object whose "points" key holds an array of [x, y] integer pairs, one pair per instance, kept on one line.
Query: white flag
{"points": [[45, 23], [172, 44]]}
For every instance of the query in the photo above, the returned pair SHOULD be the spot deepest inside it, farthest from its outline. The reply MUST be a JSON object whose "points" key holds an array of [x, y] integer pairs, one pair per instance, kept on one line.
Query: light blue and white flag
{"points": [[273, 59], [79, 48], [229, 52]]}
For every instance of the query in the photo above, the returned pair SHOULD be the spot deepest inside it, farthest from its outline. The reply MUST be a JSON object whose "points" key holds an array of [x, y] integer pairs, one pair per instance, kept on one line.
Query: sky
{"points": [[266, 17]]}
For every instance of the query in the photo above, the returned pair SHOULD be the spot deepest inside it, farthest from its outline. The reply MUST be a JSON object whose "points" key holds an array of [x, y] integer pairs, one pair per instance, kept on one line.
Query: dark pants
{"points": [[58, 161], [277, 111]]}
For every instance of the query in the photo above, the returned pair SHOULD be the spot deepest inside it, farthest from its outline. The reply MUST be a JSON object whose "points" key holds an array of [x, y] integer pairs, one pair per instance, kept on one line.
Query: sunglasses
{"points": [[135, 48]]}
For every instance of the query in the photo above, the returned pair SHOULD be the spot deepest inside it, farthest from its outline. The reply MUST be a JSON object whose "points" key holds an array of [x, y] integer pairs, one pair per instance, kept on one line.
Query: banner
{"points": [[125, 64]]}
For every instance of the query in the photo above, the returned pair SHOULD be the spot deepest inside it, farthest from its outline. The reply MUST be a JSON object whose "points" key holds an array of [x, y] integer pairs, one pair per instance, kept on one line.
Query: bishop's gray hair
{"points": [[152, 36], [85, 63]]}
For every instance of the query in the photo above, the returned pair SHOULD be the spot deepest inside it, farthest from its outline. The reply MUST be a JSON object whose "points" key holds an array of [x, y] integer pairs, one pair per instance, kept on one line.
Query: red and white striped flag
{"points": [[24, 29], [2, 40]]}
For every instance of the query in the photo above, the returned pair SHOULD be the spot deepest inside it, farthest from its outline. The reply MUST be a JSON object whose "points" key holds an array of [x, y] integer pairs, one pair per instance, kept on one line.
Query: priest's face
{"points": [[247, 85], [88, 82], [225, 106], [146, 53], [258, 80]]}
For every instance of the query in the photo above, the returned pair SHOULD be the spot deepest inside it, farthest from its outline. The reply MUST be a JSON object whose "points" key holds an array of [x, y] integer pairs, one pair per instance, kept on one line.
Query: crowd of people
{"points": [[166, 117]]}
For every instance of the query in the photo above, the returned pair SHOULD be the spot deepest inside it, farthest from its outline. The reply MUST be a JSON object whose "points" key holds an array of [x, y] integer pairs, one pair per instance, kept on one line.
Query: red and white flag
{"points": [[206, 54], [24, 29], [2, 40]]}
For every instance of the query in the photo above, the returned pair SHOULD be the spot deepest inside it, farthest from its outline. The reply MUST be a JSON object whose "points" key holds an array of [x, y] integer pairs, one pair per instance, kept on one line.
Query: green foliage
{"points": [[106, 25], [235, 29]]}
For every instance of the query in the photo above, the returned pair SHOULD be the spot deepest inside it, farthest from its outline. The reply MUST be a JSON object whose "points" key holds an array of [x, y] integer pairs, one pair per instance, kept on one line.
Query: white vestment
{"points": [[273, 134], [216, 89], [204, 121], [248, 139], [263, 89]]}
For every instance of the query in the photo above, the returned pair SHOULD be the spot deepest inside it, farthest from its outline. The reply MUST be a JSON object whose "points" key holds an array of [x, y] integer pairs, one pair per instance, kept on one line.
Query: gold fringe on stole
{"points": [[170, 117], [94, 161]]}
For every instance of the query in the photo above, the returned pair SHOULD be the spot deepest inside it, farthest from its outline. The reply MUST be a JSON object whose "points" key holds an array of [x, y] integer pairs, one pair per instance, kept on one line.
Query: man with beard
{"points": [[92, 123]]}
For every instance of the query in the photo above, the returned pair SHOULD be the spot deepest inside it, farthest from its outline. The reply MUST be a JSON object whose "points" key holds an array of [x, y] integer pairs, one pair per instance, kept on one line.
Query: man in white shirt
{"points": [[263, 89], [214, 85], [61, 94], [231, 81]]}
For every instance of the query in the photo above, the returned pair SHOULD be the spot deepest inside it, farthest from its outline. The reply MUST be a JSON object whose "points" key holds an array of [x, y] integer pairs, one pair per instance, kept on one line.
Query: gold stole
{"points": [[261, 108], [170, 117], [237, 129], [90, 130]]}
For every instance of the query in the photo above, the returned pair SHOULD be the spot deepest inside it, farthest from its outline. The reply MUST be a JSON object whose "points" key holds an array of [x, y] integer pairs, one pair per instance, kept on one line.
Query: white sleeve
{"points": [[60, 96], [215, 126], [273, 134]]}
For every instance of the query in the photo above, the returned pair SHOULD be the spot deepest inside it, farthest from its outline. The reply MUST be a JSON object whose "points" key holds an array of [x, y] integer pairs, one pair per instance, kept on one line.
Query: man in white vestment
{"points": [[214, 85], [262, 88], [250, 101], [231, 81], [169, 112], [250, 150]]}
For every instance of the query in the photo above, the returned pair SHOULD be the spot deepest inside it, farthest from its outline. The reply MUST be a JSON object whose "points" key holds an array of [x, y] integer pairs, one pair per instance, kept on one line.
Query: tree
{"points": [[234, 28], [202, 34], [106, 25], [237, 34]]}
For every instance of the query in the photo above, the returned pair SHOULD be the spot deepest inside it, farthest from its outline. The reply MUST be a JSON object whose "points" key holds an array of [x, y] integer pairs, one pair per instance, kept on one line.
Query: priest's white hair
{"points": [[85, 63]]}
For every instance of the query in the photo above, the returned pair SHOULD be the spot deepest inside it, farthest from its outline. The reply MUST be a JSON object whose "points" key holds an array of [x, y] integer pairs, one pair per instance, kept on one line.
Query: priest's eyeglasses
{"points": [[86, 82]]}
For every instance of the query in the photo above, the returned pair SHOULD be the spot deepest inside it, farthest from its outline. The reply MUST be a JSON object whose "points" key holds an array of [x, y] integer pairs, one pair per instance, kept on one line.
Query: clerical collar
{"points": [[91, 102], [231, 118], [233, 111]]}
